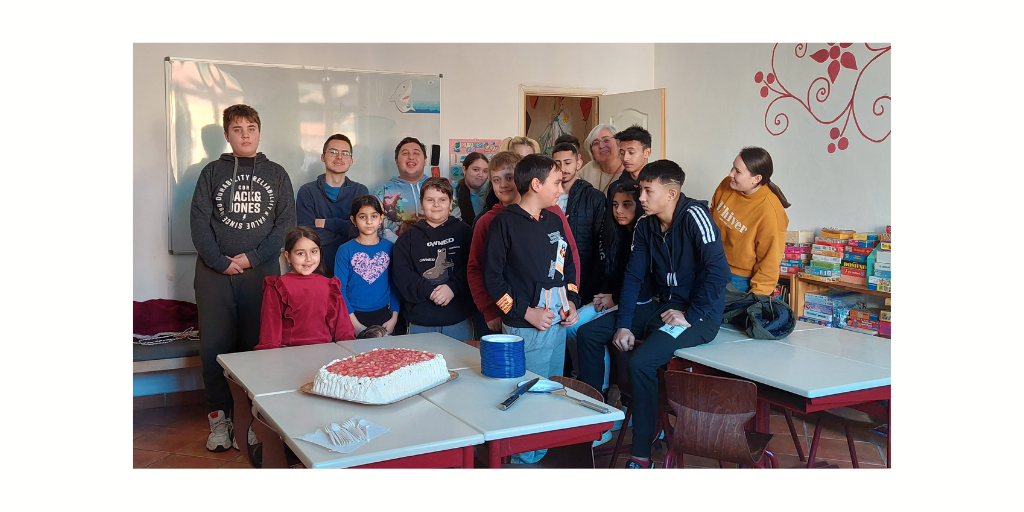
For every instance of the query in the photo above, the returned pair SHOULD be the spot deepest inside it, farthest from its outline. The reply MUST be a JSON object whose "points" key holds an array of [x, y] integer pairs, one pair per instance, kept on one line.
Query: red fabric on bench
{"points": [[163, 315]]}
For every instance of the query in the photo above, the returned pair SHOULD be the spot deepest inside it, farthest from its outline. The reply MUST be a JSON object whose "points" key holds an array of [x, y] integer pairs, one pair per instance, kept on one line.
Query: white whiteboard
{"points": [[299, 108]]}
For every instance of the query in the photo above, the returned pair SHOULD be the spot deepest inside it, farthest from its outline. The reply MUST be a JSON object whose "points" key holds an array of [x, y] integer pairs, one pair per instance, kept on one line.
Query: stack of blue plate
{"points": [[502, 356]]}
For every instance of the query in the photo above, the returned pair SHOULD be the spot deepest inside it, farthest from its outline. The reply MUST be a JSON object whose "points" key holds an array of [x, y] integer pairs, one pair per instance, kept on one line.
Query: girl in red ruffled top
{"points": [[303, 307]]}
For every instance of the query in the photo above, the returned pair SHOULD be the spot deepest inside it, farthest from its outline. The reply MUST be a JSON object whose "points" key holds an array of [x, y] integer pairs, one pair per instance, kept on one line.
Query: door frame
{"points": [[545, 90]]}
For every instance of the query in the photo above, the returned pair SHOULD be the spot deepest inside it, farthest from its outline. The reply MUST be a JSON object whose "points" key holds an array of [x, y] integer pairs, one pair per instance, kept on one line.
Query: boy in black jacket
{"points": [[679, 248], [535, 283], [585, 207], [429, 267]]}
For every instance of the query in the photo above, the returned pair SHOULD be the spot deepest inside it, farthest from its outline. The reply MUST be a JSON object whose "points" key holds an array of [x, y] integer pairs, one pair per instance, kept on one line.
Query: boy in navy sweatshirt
{"points": [[679, 247], [536, 282], [324, 204], [428, 265]]}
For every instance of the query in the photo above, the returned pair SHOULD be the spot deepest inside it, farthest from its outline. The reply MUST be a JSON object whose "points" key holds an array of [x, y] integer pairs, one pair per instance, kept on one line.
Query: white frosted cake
{"points": [[381, 375]]}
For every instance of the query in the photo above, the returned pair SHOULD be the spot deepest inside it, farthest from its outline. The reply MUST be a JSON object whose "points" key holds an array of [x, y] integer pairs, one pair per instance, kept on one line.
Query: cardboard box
{"points": [[885, 328], [859, 250], [799, 236], [862, 243], [826, 272], [822, 279], [815, 321], [826, 265], [826, 259], [854, 272], [834, 298], [860, 258], [860, 281], [860, 330]]}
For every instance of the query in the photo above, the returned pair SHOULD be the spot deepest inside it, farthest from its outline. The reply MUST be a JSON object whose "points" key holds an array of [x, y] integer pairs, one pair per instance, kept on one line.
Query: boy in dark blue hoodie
{"points": [[325, 204], [428, 266], [529, 267], [242, 208], [679, 246]]}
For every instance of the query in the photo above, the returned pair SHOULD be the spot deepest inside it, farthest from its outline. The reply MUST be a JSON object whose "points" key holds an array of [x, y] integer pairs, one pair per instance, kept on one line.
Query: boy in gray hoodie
{"points": [[242, 208]]}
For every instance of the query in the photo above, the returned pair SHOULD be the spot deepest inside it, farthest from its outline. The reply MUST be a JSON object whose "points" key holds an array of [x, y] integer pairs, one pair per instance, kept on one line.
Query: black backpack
{"points": [[762, 317]]}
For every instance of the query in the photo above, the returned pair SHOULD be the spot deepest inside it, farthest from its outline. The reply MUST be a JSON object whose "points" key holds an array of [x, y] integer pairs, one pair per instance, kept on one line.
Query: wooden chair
{"points": [[275, 454], [620, 361], [270, 452], [579, 455], [710, 415], [848, 418]]}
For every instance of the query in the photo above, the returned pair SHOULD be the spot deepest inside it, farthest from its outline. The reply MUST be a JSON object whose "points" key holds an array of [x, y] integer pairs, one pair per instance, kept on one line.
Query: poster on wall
{"points": [[459, 148]]}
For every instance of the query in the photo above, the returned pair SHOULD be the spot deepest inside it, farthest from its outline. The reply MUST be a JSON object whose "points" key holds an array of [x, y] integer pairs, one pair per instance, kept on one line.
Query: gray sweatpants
{"points": [[229, 321]]}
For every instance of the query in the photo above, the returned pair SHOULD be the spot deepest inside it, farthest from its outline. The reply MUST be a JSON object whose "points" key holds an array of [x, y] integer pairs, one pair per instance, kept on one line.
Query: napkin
{"points": [[321, 438]]}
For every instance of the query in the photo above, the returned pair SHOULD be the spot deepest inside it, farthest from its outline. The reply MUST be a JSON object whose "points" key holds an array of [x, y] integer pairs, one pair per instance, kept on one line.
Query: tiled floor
{"points": [[832, 447], [175, 437]]}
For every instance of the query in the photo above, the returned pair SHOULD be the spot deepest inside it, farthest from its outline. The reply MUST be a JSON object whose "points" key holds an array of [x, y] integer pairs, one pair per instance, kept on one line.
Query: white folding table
{"points": [[420, 435], [534, 422], [279, 369], [813, 369]]}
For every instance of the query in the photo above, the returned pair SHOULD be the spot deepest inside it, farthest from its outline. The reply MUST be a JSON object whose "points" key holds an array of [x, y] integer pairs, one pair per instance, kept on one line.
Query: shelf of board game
{"points": [[849, 287]]}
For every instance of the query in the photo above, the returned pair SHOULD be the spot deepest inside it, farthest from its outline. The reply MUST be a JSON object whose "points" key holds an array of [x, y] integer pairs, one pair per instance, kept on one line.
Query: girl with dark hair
{"points": [[303, 307], [471, 191], [624, 212], [749, 210], [362, 267]]}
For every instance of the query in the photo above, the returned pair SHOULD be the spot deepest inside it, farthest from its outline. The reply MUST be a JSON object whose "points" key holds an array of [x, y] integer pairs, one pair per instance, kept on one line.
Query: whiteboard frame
{"points": [[170, 117]]}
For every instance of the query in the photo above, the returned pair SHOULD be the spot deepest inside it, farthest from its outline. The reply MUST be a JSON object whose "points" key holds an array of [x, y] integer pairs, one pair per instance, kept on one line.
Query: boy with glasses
{"points": [[325, 204]]}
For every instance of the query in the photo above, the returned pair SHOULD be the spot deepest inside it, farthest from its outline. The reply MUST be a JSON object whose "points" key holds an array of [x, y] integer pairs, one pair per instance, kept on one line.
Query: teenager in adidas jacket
{"points": [[679, 247]]}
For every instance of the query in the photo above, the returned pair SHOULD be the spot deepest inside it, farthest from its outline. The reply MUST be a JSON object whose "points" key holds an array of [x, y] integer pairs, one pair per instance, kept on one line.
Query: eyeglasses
{"points": [[334, 152], [604, 140]]}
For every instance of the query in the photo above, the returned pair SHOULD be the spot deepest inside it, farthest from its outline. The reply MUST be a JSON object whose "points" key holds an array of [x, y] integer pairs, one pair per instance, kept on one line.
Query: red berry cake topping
{"points": [[379, 362]]}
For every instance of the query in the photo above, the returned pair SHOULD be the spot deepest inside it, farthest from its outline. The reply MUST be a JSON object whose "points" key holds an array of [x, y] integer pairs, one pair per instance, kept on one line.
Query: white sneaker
{"points": [[220, 432], [251, 438]]}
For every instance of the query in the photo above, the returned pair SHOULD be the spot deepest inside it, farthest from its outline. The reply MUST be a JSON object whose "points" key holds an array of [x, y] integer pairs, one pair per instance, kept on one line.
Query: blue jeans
{"points": [[461, 331], [545, 350], [586, 313], [741, 283]]}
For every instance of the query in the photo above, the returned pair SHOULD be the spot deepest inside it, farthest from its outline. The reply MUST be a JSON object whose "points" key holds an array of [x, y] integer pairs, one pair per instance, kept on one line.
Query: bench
{"points": [[162, 315], [169, 356]]}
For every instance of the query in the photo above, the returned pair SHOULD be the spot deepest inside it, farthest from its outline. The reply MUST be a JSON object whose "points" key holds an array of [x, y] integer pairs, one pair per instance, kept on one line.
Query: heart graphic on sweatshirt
{"points": [[370, 269]]}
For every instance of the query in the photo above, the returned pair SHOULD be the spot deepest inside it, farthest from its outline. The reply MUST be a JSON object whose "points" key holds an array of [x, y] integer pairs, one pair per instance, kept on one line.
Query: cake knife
{"points": [[516, 394]]}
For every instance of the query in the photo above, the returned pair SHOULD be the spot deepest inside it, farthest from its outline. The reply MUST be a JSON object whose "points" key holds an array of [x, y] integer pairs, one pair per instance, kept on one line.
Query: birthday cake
{"points": [[381, 375]]}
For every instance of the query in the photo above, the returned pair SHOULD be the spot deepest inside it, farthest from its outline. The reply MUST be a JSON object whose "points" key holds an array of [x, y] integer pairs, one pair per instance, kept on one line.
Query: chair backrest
{"points": [[242, 415], [273, 446], [579, 386], [710, 415]]}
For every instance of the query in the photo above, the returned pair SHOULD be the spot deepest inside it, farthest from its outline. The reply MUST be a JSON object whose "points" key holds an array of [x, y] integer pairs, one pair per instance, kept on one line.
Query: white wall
{"points": [[479, 98], [714, 108]]}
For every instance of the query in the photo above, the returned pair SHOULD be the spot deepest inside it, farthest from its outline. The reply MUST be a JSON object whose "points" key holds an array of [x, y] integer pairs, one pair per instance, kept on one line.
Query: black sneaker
{"points": [[631, 464]]}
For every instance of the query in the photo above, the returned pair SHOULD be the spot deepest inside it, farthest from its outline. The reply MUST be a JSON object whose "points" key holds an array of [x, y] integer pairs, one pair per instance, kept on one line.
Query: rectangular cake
{"points": [[381, 375]]}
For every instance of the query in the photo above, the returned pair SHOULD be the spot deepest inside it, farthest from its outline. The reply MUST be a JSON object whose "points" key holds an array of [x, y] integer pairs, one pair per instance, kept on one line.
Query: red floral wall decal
{"points": [[836, 57]]}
